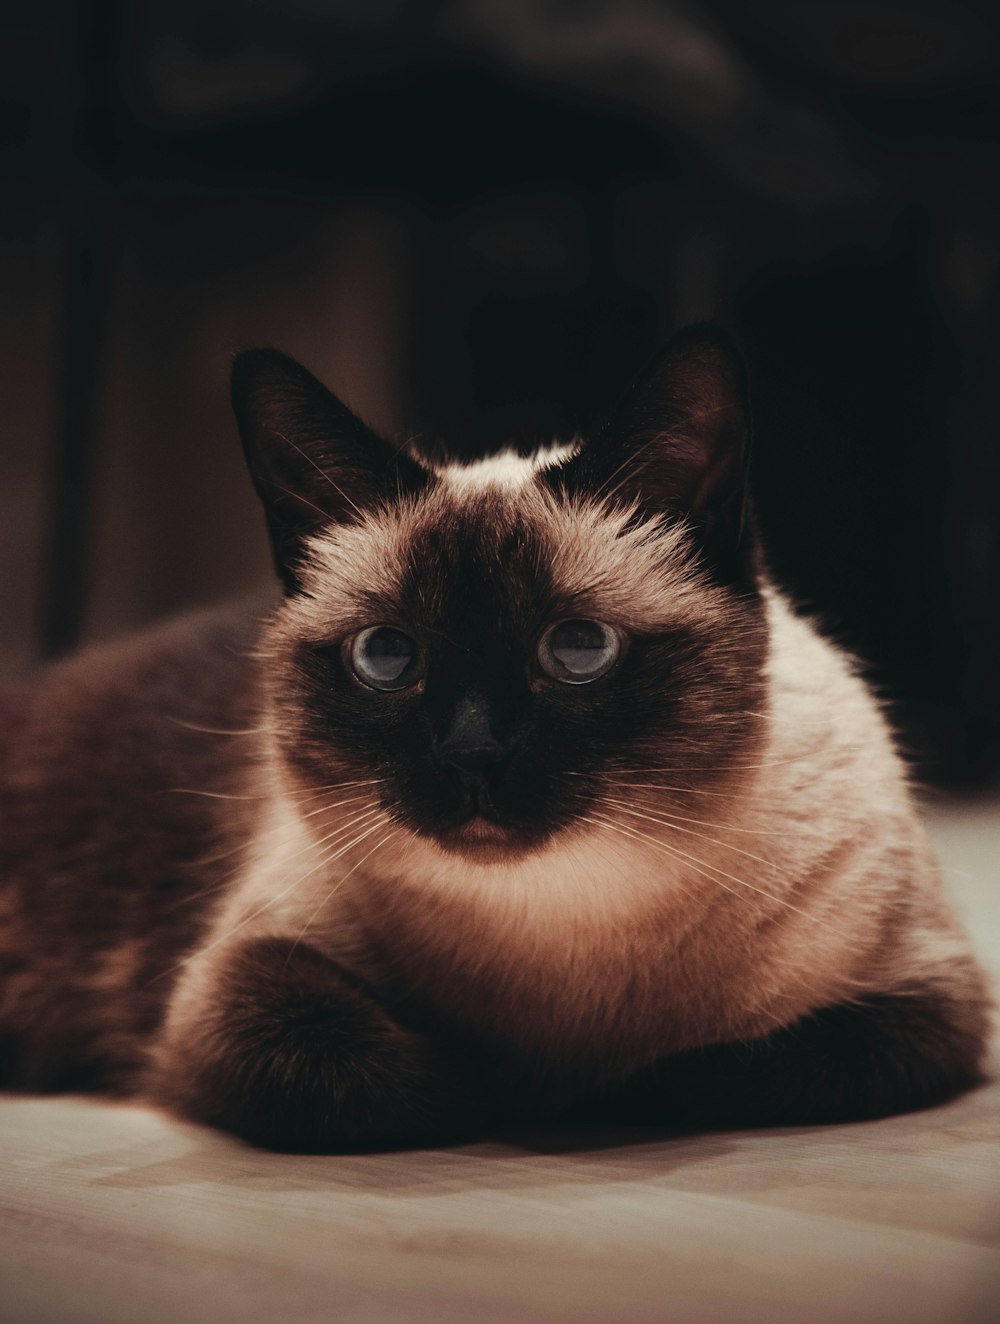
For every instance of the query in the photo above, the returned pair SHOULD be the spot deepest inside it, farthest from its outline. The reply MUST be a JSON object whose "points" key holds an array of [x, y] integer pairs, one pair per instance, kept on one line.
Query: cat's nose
{"points": [[469, 743], [471, 760]]}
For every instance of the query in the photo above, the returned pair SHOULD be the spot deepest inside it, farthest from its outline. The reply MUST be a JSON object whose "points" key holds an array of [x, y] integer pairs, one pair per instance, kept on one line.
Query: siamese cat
{"points": [[533, 797]]}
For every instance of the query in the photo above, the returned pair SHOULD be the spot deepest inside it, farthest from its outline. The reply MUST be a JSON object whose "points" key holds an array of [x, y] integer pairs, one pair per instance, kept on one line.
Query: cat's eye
{"points": [[385, 659], [578, 651]]}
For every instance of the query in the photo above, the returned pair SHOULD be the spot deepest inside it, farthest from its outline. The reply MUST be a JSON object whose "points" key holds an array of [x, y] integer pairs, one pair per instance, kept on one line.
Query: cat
{"points": [[531, 797]]}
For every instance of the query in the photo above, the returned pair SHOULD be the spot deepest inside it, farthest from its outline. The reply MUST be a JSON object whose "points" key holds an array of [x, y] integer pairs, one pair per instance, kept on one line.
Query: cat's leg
{"points": [[284, 1048], [884, 1054]]}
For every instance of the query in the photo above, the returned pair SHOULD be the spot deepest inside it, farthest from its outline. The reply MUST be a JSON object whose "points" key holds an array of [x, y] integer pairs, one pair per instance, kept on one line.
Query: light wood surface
{"points": [[112, 1212]]}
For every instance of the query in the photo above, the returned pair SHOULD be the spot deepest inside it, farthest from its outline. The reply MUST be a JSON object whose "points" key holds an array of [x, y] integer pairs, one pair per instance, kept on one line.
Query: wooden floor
{"points": [[115, 1213]]}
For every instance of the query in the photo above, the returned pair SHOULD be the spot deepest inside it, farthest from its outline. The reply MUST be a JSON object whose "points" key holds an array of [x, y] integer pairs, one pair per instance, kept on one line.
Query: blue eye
{"points": [[385, 659], [577, 652]]}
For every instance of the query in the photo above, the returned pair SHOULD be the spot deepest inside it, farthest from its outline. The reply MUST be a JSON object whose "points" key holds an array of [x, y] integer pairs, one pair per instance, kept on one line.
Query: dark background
{"points": [[475, 220]]}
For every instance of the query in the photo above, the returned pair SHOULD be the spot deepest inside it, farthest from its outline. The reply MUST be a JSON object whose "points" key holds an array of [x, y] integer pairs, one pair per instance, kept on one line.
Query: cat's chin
{"points": [[483, 840]]}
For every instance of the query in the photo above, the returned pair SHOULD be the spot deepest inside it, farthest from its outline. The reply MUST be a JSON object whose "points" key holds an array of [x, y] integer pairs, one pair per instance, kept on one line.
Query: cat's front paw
{"points": [[287, 1050], [882, 1054]]}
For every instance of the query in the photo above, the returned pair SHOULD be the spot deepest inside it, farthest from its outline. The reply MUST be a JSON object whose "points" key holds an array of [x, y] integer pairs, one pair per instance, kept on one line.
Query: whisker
{"points": [[674, 827], [299, 798], [308, 792], [269, 831], [208, 795], [635, 834], [335, 832], [305, 794], [217, 730], [200, 895], [204, 860], [272, 901], [727, 766], [601, 823], [659, 786], [324, 809], [799, 721], [334, 890], [675, 819], [231, 877], [700, 865]]}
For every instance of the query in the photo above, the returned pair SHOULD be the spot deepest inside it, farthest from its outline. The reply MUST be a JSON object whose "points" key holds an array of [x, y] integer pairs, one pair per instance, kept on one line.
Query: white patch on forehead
{"points": [[506, 470]]}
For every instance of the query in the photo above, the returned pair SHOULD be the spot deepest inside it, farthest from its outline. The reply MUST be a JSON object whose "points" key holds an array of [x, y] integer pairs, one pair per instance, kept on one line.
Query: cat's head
{"points": [[502, 650]]}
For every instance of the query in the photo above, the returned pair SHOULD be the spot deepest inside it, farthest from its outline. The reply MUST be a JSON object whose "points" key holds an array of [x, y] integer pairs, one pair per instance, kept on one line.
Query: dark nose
{"points": [[472, 760], [469, 744]]}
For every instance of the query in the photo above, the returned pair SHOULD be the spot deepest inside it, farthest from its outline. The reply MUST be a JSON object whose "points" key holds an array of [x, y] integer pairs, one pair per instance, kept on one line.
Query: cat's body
{"points": [[252, 885]]}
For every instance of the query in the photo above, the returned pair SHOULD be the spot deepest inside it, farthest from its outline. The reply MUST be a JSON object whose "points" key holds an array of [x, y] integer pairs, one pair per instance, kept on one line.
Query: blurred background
{"points": [[475, 219]]}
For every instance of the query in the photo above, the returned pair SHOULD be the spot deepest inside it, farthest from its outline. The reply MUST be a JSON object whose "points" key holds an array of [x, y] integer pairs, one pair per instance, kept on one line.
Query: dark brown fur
{"points": [[107, 851], [294, 1054]]}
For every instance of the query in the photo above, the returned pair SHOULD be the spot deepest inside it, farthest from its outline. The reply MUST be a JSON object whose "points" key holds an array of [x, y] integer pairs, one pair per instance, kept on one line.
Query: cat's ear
{"points": [[312, 461], [679, 443]]}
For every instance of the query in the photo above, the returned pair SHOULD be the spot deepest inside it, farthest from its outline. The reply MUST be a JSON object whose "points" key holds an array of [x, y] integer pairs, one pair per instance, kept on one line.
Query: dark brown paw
{"points": [[290, 1053]]}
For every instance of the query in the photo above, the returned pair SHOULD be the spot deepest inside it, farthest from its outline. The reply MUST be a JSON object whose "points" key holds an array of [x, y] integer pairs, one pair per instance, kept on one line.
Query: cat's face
{"points": [[499, 651]]}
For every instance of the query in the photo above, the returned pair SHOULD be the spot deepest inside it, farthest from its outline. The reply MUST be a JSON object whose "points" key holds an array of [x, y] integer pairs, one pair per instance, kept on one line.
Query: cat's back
{"points": [[124, 718], [125, 792]]}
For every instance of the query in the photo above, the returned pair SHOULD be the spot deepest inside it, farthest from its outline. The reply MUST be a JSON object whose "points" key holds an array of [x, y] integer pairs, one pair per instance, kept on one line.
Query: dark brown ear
{"points": [[679, 443], [312, 461]]}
